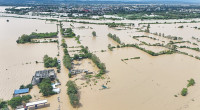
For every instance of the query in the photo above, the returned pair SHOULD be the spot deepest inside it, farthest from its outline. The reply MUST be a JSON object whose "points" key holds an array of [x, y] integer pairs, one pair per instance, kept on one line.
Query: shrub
{"points": [[30, 86], [3, 104], [26, 98], [16, 101], [184, 92], [94, 34], [191, 82]]}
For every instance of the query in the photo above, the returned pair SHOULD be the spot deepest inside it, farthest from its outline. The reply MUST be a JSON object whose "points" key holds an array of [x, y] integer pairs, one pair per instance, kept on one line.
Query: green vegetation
{"points": [[110, 47], [94, 58], [67, 59], [64, 45], [68, 32], [94, 34], [45, 87], [58, 68], [195, 49], [50, 62], [30, 86], [181, 26], [156, 14], [115, 38], [184, 91], [130, 58], [72, 91], [3, 104], [191, 82], [149, 51], [78, 39], [148, 27], [28, 38], [113, 24], [16, 101]]}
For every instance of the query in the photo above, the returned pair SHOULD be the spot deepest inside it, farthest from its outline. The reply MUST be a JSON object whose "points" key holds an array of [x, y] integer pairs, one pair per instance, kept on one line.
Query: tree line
{"points": [[114, 37], [73, 94], [28, 38]]}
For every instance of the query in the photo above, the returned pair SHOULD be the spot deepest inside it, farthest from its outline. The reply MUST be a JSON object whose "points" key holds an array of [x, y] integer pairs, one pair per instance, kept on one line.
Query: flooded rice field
{"points": [[150, 82]]}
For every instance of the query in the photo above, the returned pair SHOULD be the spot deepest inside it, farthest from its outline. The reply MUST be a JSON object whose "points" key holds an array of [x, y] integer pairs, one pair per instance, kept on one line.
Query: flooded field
{"points": [[150, 82], [17, 64]]}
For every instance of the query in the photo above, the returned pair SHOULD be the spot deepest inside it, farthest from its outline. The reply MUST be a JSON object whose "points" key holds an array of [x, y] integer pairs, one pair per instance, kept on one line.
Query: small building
{"points": [[35, 104], [39, 75], [21, 91]]}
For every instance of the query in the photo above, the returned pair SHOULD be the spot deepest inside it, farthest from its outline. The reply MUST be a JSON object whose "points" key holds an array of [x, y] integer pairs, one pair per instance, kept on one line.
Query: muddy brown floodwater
{"points": [[148, 83]]}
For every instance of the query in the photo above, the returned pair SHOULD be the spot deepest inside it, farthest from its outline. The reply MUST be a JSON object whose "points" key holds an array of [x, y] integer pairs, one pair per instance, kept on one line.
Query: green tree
{"points": [[191, 82], [184, 92], [72, 91], [45, 87], [15, 101], [3, 104], [94, 34]]}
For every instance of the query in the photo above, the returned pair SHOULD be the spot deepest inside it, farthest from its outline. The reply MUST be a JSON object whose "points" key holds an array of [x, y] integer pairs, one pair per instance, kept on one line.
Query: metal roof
{"points": [[36, 103], [21, 91]]}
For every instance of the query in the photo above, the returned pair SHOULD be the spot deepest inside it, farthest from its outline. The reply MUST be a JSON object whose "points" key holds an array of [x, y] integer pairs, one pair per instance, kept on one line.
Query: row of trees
{"points": [[50, 62], [67, 61], [149, 51], [115, 38], [196, 49], [73, 94], [94, 58], [27, 38]]}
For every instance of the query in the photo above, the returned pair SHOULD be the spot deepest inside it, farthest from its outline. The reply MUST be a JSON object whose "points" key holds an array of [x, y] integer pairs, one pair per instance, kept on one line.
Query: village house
{"points": [[39, 75]]}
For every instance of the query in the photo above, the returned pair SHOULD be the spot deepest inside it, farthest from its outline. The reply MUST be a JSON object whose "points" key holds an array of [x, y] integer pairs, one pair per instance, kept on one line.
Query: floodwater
{"points": [[17, 61], [141, 84], [136, 84]]}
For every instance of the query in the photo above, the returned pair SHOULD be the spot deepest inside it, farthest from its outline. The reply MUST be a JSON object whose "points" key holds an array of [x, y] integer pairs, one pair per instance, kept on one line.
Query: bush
{"points": [[94, 34], [16, 101], [27, 38], [184, 92], [30, 86], [22, 87], [26, 98], [191, 82], [3, 104]]}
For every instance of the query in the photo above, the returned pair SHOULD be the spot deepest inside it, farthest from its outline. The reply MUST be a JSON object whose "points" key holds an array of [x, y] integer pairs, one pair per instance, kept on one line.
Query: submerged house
{"points": [[39, 75]]}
